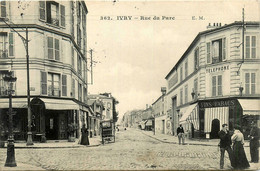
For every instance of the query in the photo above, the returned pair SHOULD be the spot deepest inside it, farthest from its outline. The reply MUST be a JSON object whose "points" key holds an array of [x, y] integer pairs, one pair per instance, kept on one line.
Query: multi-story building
{"points": [[215, 83], [57, 65], [162, 118]]}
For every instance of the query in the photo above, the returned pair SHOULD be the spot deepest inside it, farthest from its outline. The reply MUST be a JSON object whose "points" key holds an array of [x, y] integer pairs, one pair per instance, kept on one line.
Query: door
{"points": [[163, 126], [215, 128], [51, 126]]}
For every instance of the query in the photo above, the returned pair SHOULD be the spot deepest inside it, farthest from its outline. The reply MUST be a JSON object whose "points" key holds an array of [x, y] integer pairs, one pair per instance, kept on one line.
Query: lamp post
{"points": [[10, 160], [25, 41]]}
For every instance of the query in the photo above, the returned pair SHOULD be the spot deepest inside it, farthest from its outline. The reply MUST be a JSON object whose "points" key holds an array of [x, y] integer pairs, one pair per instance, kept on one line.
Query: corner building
{"points": [[58, 65], [214, 83]]}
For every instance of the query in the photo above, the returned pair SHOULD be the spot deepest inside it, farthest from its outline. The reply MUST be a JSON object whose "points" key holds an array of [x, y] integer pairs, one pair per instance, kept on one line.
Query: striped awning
{"points": [[16, 103], [191, 116], [220, 113], [250, 106]]}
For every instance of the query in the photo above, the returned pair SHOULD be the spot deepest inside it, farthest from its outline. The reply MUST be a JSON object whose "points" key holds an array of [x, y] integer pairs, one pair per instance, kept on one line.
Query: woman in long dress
{"points": [[240, 160]]}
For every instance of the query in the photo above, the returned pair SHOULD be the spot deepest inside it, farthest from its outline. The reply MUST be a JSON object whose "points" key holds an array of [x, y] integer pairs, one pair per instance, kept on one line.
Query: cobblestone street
{"points": [[132, 150]]}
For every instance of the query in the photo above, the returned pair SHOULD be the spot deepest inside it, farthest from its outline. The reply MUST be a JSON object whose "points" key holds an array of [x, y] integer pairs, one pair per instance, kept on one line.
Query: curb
{"points": [[33, 147]]}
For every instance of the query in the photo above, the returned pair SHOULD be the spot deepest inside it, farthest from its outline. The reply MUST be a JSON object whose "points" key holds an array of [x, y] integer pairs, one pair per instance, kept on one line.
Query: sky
{"points": [[132, 57]]}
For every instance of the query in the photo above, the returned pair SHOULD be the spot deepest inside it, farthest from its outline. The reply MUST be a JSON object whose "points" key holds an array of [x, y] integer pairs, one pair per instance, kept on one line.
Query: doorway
{"points": [[163, 126], [51, 123], [215, 128]]}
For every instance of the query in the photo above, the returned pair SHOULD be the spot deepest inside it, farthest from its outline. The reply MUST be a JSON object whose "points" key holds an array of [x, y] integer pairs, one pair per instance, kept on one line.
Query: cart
{"points": [[107, 131]]}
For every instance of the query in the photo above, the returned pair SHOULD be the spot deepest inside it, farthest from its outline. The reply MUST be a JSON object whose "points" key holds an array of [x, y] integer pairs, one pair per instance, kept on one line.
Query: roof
{"points": [[236, 23]]}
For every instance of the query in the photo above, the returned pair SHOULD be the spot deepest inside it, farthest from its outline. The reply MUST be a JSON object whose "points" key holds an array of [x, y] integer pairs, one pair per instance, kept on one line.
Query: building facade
{"points": [[57, 65], [214, 83]]}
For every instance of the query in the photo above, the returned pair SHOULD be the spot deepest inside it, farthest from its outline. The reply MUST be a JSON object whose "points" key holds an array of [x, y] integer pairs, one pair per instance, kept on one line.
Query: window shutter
{"points": [[50, 48], [253, 47], [3, 8], [208, 52], [64, 85], [186, 68], [247, 83], [72, 57], [43, 83], [214, 86], [247, 46], [73, 88], [220, 85], [11, 44], [253, 83], [62, 15], [57, 49], [42, 10], [224, 53]]}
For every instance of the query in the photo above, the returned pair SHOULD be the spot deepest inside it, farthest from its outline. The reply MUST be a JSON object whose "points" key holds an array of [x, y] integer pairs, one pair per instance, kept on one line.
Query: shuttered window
{"points": [[73, 88], [181, 96], [3, 8], [250, 47], [64, 85], [181, 73], [42, 10], [11, 44], [186, 93], [196, 59], [62, 15], [217, 85], [224, 47], [43, 83], [186, 69], [250, 83], [53, 48]]}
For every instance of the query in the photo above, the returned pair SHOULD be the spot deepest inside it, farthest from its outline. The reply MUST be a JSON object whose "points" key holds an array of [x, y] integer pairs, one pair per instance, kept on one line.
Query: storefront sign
{"points": [[217, 69], [219, 103]]}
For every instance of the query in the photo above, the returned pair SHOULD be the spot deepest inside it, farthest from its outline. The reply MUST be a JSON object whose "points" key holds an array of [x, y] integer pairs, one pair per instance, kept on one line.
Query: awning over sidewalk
{"points": [[191, 115], [60, 104], [149, 123], [250, 106], [16, 103]]}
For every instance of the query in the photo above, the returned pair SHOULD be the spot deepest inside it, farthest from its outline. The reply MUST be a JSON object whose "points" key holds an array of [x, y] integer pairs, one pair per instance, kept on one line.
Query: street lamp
{"points": [[10, 160], [25, 41]]}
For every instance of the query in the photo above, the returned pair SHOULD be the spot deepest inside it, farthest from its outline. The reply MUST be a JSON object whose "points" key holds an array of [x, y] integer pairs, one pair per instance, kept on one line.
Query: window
{"points": [[3, 9], [79, 65], [181, 73], [43, 83], [195, 89], [73, 88], [6, 43], [79, 36], [53, 48], [250, 83], [80, 92], [196, 59], [186, 68], [217, 85], [52, 12], [85, 94], [186, 93], [181, 96], [250, 47], [72, 57], [64, 85], [53, 84], [3, 84], [218, 50]]}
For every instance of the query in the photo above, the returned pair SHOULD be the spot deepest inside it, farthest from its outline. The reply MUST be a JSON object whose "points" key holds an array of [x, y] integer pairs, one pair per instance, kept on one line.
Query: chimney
{"points": [[146, 106], [213, 26], [163, 90]]}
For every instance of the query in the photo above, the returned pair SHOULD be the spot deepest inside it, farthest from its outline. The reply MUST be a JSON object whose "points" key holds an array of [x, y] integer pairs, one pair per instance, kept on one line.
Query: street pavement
{"points": [[133, 150]]}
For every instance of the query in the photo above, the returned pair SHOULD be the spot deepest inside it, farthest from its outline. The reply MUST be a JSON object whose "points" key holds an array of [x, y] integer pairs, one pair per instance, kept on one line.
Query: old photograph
{"points": [[129, 85]]}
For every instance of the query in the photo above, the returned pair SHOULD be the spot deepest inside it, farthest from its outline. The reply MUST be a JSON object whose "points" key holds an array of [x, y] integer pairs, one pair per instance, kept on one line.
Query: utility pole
{"points": [[29, 133], [243, 34]]}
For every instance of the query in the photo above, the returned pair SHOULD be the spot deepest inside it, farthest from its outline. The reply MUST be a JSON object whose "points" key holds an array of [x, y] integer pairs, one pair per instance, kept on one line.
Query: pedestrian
{"points": [[254, 143], [225, 145], [240, 160], [180, 133], [84, 136]]}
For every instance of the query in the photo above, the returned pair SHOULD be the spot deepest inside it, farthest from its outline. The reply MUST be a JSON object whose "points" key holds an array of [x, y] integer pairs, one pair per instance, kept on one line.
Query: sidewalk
{"points": [[94, 141], [174, 139]]}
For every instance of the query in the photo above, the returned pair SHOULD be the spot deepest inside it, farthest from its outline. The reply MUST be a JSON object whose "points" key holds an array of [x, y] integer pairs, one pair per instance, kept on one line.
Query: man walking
{"points": [[225, 145], [254, 143], [180, 133]]}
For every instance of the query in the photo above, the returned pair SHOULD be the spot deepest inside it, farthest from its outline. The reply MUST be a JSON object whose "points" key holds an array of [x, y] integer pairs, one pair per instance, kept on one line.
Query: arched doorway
{"points": [[215, 128]]}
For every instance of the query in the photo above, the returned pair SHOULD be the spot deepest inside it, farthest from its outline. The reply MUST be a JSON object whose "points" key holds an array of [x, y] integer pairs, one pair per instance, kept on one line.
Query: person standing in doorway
{"points": [[225, 145], [180, 133], [254, 143]]}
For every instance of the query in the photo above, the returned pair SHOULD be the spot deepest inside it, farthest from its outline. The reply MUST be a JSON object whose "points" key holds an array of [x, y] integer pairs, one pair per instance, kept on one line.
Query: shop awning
{"points": [[250, 106], [190, 115], [16, 103], [60, 104]]}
